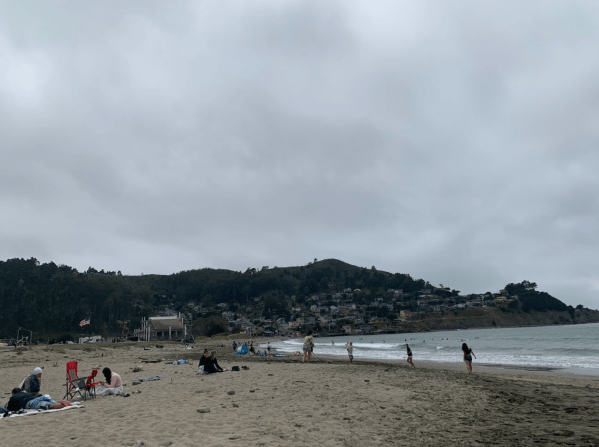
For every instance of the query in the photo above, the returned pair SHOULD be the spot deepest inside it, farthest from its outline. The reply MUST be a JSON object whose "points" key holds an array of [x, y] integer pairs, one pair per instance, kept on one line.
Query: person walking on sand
{"points": [[409, 356], [350, 351], [468, 353], [308, 346]]}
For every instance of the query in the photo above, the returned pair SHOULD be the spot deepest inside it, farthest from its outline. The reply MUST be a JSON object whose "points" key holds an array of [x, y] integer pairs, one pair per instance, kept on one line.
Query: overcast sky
{"points": [[454, 141]]}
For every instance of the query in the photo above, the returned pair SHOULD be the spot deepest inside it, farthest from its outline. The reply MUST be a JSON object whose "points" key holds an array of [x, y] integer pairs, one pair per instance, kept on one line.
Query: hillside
{"points": [[52, 299]]}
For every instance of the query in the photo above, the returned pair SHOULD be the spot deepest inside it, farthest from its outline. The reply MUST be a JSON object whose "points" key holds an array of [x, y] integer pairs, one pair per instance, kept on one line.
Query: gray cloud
{"points": [[454, 142]]}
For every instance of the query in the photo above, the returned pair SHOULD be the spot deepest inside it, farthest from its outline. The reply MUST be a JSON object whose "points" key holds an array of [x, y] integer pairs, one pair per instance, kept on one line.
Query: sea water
{"points": [[575, 347]]}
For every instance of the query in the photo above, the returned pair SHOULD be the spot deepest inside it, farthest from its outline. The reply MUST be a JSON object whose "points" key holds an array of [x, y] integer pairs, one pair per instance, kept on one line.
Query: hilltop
{"points": [[329, 296]]}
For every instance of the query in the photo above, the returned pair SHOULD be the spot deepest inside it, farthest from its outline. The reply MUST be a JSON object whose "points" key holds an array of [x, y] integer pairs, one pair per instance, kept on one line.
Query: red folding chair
{"points": [[90, 385], [85, 387]]}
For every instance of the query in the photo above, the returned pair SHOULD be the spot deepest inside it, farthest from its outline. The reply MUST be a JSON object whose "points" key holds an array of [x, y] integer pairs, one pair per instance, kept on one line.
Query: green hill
{"points": [[52, 299]]}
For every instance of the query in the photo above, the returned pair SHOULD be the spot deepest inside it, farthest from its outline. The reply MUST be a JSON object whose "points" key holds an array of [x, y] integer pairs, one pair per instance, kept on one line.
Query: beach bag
{"points": [[235, 368]]}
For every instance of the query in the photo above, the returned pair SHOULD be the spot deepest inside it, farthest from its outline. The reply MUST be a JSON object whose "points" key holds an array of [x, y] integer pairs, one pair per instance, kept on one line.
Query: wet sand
{"points": [[282, 402]]}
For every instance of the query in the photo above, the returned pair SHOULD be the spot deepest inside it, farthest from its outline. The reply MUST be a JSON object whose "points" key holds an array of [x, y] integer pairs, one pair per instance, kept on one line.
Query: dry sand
{"points": [[282, 402]]}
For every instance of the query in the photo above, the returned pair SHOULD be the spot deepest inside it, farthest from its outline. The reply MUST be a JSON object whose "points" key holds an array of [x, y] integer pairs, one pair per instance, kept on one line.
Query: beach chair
{"points": [[85, 386]]}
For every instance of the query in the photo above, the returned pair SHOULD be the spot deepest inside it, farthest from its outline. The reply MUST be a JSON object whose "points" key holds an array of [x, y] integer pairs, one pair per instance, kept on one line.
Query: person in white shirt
{"points": [[350, 351]]}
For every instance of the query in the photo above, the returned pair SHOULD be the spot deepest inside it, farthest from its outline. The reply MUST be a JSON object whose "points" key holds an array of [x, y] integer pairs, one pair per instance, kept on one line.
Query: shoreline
{"points": [[548, 357], [562, 370], [459, 365]]}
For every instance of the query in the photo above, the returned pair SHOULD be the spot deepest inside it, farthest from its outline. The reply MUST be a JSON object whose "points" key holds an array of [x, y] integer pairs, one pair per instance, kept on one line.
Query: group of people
{"points": [[208, 363], [252, 350], [467, 352], [27, 396]]}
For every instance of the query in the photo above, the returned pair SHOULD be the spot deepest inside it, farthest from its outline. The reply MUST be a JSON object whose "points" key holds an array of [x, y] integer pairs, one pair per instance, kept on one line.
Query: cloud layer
{"points": [[454, 142]]}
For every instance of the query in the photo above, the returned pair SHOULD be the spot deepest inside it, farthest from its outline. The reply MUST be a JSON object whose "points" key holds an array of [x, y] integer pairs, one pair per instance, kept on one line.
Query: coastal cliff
{"points": [[496, 318]]}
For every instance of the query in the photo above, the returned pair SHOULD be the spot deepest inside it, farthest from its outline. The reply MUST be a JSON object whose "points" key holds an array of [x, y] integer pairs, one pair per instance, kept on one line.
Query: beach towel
{"points": [[12, 415], [103, 391]]}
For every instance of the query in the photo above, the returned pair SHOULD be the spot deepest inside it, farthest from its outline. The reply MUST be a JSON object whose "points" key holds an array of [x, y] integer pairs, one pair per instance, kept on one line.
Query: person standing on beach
{"points": [[234, 346], [409, 356], [468, 353], [350, 351], [308, 346]]}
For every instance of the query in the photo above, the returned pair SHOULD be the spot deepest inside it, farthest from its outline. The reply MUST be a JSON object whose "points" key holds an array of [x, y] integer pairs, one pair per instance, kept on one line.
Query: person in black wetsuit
{"points": [[468, 353], [212, 365], [409, 355]]}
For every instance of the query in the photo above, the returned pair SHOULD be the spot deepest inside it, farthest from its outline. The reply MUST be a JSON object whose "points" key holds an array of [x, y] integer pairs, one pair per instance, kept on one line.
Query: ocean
{"points": [[574, 348]]}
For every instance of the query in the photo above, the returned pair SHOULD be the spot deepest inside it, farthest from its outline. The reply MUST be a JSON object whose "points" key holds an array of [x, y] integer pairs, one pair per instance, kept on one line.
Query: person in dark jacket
{"points": [[212, 365], [203, 359], [22, 400], [32, 383]]}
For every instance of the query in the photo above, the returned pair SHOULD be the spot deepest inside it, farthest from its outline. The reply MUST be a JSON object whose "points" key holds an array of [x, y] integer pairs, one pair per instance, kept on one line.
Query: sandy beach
{"points": [[282, 402]]}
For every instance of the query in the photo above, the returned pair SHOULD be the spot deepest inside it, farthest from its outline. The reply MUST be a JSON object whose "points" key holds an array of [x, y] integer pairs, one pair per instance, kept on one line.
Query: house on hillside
{"points": [[170, 327]]}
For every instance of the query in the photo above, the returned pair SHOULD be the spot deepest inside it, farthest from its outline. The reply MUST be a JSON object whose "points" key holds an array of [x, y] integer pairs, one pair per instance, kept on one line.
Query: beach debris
{"points": [[271, 374], [159, 346], [245, 367], [252, 391], [140, 443], [137, 369], [590, 411], [151, 361], [204, 410], [224, 406], [230, 393], [366, 380], [177, 362], [146, 379], [235, 406]]}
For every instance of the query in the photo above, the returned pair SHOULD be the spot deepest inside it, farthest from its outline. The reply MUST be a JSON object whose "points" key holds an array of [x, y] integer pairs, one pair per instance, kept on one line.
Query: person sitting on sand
{"points": [[22, 400], [409, 355], [32, 383], [112, 385], [211, 366], [350, 351], [308, 346], [203, 359], [468, 353]]}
